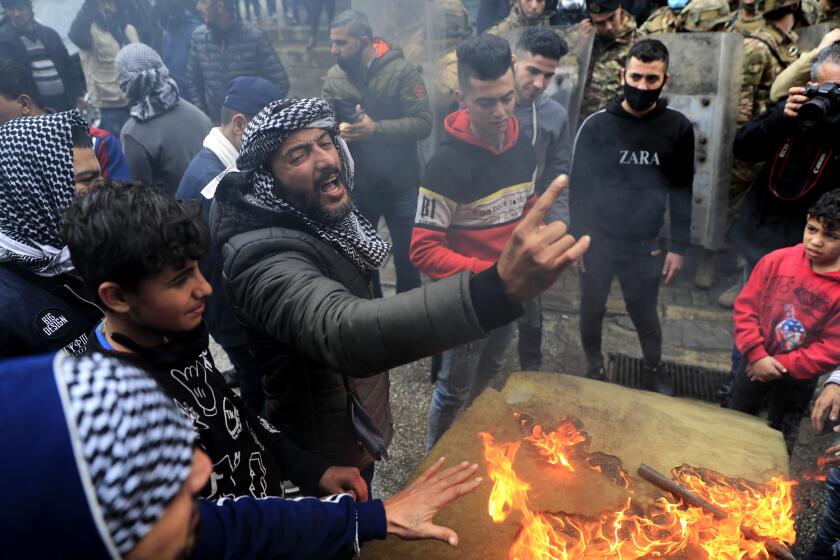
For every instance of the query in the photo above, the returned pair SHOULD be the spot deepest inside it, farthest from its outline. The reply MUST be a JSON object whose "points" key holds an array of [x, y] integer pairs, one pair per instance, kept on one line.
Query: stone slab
{"points": [[636, 426]]}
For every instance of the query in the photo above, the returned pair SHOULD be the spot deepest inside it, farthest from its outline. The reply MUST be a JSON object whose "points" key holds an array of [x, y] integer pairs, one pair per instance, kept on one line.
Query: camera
{"points": [[824, 102]]}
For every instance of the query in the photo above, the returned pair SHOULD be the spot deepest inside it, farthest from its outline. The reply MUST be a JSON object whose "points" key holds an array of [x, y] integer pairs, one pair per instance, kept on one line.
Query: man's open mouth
{"points": [[332, 186]]}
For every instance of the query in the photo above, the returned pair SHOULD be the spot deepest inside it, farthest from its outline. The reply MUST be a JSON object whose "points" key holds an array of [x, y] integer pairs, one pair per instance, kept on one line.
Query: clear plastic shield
{"points": [[705, 89], [810, 37]]}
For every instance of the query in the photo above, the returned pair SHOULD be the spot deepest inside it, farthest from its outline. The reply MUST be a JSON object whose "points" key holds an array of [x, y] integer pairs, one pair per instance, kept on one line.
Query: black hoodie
{"points": [[624, 171]]}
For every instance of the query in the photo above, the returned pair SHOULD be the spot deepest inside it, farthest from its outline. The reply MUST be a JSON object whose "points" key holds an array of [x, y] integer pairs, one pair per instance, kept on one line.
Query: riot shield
{"points": [[705, 83], [810, 37]]}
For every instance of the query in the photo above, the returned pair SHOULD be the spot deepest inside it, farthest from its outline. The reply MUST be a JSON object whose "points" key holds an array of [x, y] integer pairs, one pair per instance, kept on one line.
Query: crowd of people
{"points": [[200, 200]]}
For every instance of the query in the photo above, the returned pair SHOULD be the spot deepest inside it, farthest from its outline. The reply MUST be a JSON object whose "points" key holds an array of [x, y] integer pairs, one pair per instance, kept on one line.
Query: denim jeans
{"points": [[639, 274], [250, 377], [398, 208], [465, 372], [827, 543]]}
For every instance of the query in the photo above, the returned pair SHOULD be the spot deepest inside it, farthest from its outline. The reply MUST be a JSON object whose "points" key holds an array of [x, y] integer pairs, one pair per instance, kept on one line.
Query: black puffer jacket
{"points": [[216, 57], [308, 314]]}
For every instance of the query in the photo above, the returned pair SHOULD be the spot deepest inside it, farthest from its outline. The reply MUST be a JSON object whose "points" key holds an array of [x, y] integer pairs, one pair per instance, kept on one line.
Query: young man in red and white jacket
{"points": [[787, 322], [477, 187]]}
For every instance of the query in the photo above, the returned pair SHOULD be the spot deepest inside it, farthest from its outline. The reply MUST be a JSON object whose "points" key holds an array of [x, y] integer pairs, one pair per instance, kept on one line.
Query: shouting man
{"points": [[298, 258]]}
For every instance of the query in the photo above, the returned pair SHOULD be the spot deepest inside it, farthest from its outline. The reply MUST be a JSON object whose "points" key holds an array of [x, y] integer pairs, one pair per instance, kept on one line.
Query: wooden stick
{"points": [[661, 481]]}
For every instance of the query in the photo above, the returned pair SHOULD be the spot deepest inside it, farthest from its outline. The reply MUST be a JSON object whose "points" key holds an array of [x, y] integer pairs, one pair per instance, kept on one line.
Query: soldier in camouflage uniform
{"points": [[748, 18], [766, 53], [522, 15], [701, 16], [615, 33], [667, 19]]}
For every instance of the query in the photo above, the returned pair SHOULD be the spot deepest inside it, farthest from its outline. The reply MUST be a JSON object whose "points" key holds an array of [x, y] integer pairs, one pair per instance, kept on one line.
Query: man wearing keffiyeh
{"points": [[44, 161], [297, 263]]}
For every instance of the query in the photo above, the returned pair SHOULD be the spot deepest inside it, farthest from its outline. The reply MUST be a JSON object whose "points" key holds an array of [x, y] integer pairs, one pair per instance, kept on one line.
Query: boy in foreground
{"points": [[153, 293], [787, 322]]}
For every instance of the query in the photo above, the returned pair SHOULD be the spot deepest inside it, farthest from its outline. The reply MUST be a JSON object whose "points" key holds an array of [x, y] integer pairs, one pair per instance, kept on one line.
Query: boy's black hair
{"points": [[649, 50], [485, 57], [354, 22], [15, 80], [827, 211], [125, 232], [543, 42]]}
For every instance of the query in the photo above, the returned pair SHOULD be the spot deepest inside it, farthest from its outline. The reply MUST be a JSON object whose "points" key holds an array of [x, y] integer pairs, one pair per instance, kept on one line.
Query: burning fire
{"points": [[668, 528]]}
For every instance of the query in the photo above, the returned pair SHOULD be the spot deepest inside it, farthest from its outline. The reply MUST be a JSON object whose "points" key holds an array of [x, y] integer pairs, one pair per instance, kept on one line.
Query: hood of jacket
{"points": [[457, 124]]}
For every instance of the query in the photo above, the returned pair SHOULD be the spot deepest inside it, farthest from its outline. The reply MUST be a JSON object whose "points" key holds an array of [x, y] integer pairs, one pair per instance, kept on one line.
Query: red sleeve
{"points": [[813, 360], [748, 337], [431, 255]]}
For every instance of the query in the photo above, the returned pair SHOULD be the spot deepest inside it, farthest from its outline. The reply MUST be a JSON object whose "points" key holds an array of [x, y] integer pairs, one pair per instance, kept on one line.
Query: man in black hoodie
{"points": [[632, 160]]}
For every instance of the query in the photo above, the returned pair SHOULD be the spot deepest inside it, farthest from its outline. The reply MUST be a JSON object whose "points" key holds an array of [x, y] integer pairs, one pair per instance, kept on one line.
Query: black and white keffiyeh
{"points": [[145, 80], [133, 449], [36, 186], [354, 236]]}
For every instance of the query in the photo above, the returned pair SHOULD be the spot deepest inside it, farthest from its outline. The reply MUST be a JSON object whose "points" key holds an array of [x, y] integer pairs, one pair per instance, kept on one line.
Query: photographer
{"points": [[797, 141]]}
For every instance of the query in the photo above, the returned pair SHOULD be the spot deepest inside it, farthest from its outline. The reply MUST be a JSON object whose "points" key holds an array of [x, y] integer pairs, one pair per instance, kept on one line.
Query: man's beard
{"points": [[308, 202], [352, 64]]}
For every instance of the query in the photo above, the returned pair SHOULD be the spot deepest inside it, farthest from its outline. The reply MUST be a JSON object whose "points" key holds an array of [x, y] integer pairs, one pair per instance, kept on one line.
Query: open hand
{"points": [[344, 480], [828, 401], [536, 254], [410, 511], [766, 369]]}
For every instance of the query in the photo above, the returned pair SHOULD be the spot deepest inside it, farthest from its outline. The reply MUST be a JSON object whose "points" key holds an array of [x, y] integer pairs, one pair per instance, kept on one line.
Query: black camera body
{"points": [[823, 103]]}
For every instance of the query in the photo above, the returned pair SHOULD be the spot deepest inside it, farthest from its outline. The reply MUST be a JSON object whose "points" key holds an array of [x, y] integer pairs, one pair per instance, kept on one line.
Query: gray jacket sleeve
{"points": [[291, 300]]}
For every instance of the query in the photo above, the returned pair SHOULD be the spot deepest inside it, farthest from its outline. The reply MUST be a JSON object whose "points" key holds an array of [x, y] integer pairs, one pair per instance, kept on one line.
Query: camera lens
{"points": [[814, 110]]}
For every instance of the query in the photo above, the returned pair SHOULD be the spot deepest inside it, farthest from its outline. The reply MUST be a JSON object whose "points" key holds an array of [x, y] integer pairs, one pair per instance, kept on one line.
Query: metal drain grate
{"points": [[689, 381]]}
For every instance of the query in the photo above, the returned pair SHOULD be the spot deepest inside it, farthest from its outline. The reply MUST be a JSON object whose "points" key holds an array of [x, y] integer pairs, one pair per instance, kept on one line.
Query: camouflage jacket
{"points": [[747, 24], [663, 20], [516, 20], [608, 58], [766, 54]]}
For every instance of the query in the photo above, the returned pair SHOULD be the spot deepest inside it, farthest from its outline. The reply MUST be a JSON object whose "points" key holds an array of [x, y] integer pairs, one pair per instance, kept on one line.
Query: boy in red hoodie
{"points": [[477, 187], [787, 322]]}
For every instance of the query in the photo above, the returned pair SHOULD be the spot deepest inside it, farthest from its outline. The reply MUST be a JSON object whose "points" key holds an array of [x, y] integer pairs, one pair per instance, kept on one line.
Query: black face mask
{"points": [[641, 99]]}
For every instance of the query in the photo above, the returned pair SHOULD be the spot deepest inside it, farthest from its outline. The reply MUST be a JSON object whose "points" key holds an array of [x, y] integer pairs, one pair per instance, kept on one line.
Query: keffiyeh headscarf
{"points": [[36, 185], [97, 453], [145, 80], [354, 236]]}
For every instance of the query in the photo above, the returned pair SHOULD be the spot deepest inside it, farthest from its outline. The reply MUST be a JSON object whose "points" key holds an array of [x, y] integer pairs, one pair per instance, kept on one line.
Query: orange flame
{"points": [[667, 528], [558, 446]]}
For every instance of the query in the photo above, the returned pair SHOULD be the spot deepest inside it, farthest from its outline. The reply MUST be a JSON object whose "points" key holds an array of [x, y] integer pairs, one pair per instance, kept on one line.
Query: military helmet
{"points": [[705, 15], [769, 6]]}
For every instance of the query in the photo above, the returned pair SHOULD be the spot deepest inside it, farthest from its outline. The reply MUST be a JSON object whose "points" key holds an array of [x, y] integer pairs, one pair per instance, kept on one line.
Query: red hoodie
{"points": [[472, 197], [788, 311]]}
